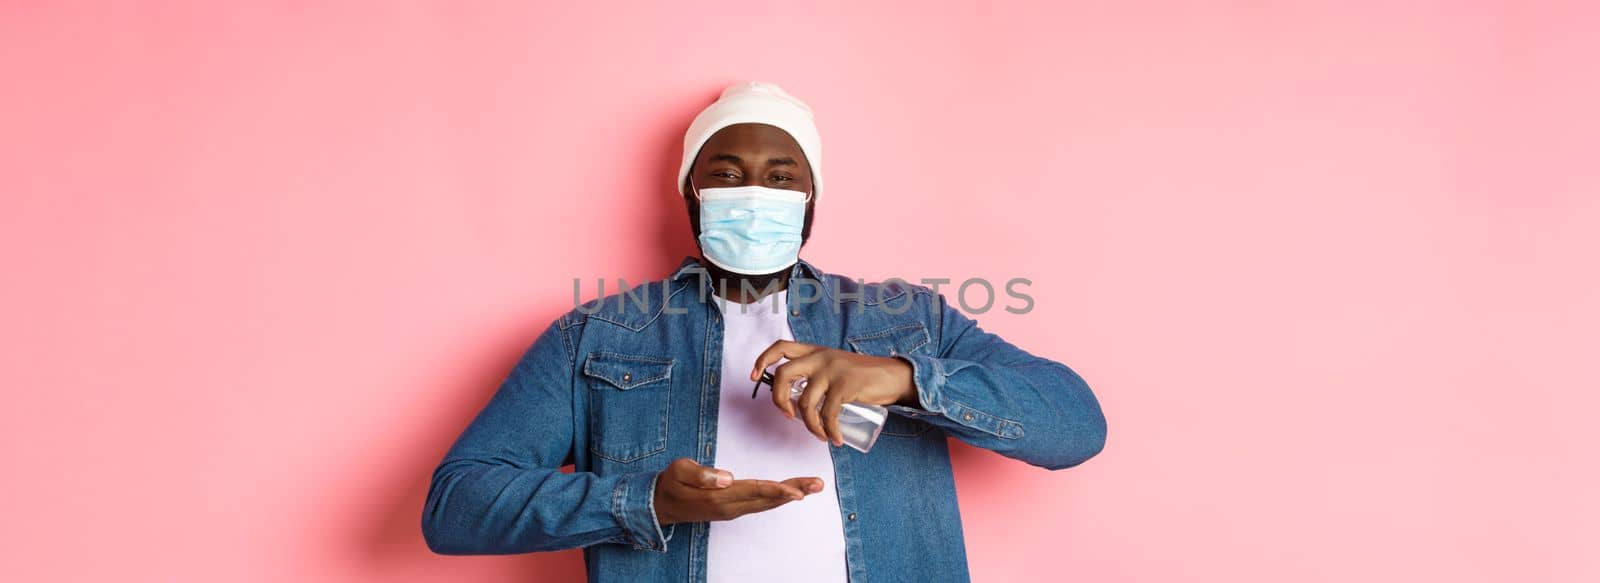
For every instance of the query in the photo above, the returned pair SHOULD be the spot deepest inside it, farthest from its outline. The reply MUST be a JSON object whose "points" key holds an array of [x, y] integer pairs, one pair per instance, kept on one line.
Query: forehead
{"points": [[752, 139]]}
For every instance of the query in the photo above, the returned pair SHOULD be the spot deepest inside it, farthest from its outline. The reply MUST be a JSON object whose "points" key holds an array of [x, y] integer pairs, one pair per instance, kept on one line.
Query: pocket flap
{"points": [[902, 339], [627, 371]]}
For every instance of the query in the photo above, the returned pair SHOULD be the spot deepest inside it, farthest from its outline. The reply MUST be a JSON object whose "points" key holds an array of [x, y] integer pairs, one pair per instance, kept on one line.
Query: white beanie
{"points": [[756, 102]]}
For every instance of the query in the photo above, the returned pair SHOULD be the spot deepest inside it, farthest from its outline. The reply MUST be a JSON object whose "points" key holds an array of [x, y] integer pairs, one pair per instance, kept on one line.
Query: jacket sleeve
{"points": [[500, 488], [991, 394]]}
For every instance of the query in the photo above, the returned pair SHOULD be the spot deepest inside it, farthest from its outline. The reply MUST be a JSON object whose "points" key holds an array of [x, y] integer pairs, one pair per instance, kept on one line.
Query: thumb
{"points": [[686, 471]]}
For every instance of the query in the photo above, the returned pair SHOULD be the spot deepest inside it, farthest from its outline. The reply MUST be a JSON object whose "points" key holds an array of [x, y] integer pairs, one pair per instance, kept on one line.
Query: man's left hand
{"points": [[833, 378]]}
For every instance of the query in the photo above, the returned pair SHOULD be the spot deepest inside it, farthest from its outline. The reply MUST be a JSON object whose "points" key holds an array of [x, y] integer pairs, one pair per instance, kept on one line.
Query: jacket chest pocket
{"points": [[904, 339], [628, 398]]}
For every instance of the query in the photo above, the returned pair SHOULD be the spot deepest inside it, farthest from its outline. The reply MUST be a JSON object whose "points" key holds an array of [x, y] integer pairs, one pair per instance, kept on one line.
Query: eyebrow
{"points": [[726, 157]]}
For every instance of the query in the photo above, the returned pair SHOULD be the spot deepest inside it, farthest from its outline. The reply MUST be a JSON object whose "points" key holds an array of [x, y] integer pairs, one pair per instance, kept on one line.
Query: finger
{"points": [[744, 490], [785, 376], [807, 485], [831, 405], [780, 399], [762, 495], [765, 499], [781, 349], [809, 402], [686, 471], [780, 491], [737, 509]]}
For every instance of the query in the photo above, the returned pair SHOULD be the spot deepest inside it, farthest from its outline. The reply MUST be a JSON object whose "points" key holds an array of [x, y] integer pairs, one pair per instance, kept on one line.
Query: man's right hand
{"points": [[689, 492]]}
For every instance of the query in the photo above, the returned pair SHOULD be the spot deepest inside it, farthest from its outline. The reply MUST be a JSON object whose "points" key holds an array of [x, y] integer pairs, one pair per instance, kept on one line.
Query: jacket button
{"points": [[852, 516], [708, 449], [626, 377], [967, 417], [794, 311]]}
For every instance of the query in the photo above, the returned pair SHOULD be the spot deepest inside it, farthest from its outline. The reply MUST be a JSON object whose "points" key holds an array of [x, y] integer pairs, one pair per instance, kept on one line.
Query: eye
{"points": [[725, 174], [780, 178]]}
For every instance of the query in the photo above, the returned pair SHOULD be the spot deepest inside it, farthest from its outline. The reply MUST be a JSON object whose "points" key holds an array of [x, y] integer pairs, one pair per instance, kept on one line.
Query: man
{"points": [[679, 475]]}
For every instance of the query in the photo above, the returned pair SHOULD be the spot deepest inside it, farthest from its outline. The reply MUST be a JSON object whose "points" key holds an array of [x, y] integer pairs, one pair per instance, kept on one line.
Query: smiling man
{"points": [[679, 475]]}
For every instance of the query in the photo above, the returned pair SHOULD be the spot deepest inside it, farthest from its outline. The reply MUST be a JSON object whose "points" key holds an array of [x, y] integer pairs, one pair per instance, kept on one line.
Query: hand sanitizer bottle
{"points": [[859, 423]]}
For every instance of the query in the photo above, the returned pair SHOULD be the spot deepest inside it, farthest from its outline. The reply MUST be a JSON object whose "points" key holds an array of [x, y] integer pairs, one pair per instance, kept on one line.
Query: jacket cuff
{"points": [[633, 505], [933, 394], [927, 377]]}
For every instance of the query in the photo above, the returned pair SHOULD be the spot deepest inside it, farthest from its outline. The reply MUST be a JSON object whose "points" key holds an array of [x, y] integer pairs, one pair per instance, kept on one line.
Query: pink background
{"points": [[1330, 270]]}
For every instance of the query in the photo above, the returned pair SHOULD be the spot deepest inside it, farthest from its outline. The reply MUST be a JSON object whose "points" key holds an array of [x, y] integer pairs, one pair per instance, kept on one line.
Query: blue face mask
{"points": [[751, 230]]}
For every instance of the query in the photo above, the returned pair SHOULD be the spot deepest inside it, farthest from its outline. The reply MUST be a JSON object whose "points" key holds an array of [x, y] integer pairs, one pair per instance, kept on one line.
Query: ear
{"points": [[692, 206]]}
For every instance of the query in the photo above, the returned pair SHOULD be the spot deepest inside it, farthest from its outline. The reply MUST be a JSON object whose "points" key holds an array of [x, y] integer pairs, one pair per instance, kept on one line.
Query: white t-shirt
{"points": [[801, 540]]}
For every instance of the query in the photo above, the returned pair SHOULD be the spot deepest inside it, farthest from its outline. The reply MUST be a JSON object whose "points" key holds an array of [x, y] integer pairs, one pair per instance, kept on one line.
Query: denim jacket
{"points": [[621, 386]]}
